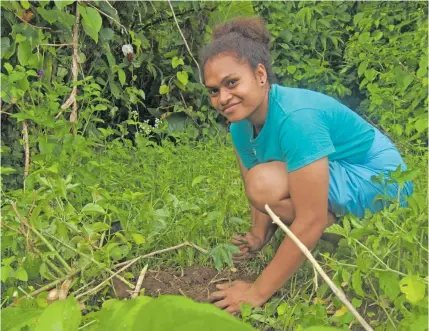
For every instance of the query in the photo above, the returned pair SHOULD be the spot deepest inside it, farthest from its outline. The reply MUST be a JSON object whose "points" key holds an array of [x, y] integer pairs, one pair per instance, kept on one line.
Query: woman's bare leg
{"points": [[267, 183]]}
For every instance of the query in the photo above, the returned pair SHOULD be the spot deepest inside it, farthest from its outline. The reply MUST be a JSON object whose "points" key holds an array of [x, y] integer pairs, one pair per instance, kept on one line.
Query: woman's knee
{"points": [[267, 183]]}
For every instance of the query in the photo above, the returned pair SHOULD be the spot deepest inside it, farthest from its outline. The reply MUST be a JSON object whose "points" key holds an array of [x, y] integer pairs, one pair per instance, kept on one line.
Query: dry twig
{"points": [[26, 147], [186, 43], [316, 265]]}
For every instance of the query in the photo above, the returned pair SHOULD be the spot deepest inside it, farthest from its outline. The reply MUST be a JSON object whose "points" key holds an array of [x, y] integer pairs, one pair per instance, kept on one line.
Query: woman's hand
{"points": [[249, 245], [232, 295]]}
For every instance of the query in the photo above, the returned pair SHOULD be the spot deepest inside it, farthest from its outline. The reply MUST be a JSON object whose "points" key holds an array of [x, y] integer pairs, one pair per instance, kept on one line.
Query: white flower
{"points": [[126, 49]]}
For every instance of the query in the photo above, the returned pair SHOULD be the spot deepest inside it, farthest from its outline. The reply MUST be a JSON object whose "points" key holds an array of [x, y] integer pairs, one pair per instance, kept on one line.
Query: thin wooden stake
{"points": [[139, 282], [316, 265]]}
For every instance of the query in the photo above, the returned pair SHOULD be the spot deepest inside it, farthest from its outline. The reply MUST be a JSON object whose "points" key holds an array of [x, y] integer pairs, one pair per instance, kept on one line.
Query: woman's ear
{"points": [[261, 74]]}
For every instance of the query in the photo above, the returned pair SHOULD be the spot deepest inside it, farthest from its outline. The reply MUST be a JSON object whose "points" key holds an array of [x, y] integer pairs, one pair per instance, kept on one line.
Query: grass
{"points": [[164, 195]]}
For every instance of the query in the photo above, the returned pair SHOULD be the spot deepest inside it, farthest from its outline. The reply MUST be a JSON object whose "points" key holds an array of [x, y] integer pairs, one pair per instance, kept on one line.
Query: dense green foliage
{"points": [[148, 163]]}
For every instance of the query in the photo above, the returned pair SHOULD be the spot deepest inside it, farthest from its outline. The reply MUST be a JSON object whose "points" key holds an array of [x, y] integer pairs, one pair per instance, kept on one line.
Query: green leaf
{"points": [[99, 227], [291, 69], [121, 75], [62, 315], [93, 208], [24, 53], [107, 33], [362, 68], [91, 22], [16, 318], [6, 272], [176, 61], [138, 238], [233, 9], [163, 89], [198, 180], [182, 76], [377, 35], [321, 328], [25, 4], [364, 37], [62, 3], [7, 171], [389, 283], [357, 283], [49, 15], [413, 288], [5, 45], [21, 274], [166, 313]]}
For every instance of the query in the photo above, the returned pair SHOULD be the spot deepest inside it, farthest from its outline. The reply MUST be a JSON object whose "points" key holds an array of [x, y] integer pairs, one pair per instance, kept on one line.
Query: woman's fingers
{"points": [[221, 304], [215, 296]]}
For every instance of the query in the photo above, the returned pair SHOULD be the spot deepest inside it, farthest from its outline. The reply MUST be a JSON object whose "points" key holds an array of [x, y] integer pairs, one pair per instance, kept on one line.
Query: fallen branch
{"points": [[139, 282], [51, 284], [26, 147], [186, 43], [186, 243], [316, 265], [41, 237]]}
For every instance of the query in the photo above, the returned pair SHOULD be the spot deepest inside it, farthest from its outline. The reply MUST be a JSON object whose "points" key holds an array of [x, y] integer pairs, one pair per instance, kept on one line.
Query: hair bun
{"points": [[249, 27]]}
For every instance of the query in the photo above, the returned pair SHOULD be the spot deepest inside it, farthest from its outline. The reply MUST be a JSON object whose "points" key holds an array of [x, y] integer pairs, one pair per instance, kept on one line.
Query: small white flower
{"points": [[126, 49]]}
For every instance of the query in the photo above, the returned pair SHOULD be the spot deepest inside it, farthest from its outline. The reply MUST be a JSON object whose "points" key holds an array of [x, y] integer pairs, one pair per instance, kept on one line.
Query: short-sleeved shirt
{"points": [[301, 127]]}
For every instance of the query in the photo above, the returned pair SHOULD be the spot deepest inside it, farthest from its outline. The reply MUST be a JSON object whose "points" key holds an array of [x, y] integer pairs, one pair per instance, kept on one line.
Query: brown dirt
{"points": [[193, 282]]}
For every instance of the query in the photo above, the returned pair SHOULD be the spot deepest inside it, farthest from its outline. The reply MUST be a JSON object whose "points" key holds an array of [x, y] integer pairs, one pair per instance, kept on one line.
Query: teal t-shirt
{"points": [[301, 127]]}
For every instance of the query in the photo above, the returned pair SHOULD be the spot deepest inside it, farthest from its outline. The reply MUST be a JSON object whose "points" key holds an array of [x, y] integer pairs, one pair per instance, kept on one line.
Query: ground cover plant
{"points": [[109, 155]]}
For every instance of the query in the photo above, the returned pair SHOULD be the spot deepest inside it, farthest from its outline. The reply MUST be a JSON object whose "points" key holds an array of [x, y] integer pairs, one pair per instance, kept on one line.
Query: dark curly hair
{"points": [[246, 38]]}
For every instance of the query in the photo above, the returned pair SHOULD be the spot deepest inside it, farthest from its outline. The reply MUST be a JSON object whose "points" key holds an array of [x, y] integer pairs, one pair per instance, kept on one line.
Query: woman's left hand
{"points": [[232, 295]]}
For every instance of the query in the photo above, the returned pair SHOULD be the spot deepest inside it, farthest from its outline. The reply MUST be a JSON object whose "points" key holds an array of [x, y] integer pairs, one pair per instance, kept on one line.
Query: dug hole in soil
{"points": [[193, 282]]}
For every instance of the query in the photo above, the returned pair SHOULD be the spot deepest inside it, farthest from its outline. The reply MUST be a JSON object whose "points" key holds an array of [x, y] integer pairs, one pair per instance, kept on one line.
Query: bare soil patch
{"points": [[193, 282]]}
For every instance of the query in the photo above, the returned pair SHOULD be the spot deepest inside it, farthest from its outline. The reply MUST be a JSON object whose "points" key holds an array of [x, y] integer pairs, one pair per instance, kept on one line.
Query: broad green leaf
{"points": [[49, 15], [389, 283], [6, 272], [357, 283], [91, 21], [291, 69], [121, 75], [16, 318], [176, 61], [62, 3], [24, 53], [93, 208], [21, 274], [198, 180], [7, 171], [182, 76], [107, 33], [67, 20], [62, 315], [165, 313], [138, 238], [413, 288], [25, 4], [163, 89], [377, 35], [19, 38], [321, 328], [233, 9], [99, 227], [362, 68]]}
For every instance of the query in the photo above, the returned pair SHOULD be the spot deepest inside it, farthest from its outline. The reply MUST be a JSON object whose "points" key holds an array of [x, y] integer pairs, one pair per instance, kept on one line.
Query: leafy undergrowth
{"points": [[91, 204]]}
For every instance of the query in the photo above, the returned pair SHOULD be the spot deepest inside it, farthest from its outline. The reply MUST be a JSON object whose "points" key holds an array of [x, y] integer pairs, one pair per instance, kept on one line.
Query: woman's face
{"points": [[237, 92]]}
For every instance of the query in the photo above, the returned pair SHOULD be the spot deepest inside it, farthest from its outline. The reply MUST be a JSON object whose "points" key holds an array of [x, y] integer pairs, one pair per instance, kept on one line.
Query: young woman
{"points": [[306, 155]]}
